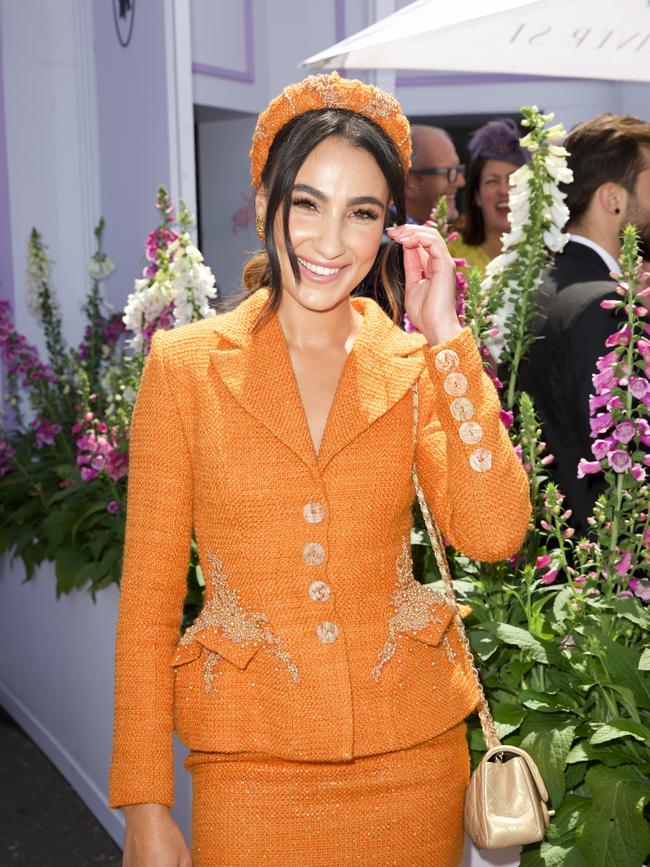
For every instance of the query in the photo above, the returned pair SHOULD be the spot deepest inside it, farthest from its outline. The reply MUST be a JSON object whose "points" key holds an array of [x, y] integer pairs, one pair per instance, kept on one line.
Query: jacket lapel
{"points": [[383, 364], [255, 366]]}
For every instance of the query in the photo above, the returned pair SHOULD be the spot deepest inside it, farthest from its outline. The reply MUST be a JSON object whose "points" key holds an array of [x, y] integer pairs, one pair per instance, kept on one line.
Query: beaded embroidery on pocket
{"points": [[223, 613], [412, 602]]}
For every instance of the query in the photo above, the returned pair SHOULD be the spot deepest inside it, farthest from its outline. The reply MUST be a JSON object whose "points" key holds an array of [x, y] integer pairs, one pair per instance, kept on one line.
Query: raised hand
{"points": [[430, 284]]}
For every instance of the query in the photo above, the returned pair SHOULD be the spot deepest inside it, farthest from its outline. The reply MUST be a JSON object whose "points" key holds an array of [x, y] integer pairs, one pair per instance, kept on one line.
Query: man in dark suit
{"points": [[610, 160]]}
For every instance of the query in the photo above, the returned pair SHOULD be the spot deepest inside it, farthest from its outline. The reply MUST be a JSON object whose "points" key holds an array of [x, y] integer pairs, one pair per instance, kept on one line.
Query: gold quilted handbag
{"points": [[505, 802]]}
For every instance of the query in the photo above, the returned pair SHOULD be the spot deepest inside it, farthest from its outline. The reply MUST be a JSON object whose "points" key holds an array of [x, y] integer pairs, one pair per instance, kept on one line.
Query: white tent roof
{"points": [[599, 39]]}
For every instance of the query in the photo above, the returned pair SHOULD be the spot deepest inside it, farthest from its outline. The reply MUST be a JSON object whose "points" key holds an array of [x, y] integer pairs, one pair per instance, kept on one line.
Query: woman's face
{"points": [[492, 195], [336, 221]]}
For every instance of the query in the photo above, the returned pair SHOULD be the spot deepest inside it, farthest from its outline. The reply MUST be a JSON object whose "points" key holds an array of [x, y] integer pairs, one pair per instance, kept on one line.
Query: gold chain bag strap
{"points": [[505, 802]]}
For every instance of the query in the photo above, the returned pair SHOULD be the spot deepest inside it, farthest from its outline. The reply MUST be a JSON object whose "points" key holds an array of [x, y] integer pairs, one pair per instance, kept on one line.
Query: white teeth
{"points": [[318, 269]]}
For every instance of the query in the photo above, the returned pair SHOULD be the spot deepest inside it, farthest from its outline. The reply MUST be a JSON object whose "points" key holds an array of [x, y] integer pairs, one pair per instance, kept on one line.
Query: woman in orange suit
{"points": [[322, 690]]}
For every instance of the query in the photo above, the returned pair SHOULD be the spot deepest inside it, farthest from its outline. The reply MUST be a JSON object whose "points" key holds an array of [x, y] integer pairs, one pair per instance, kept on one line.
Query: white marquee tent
{"points": [[594, 39]]}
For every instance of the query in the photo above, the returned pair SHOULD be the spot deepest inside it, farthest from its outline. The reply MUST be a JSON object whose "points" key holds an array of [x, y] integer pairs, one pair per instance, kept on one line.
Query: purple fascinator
{"points": [[498, 140]]}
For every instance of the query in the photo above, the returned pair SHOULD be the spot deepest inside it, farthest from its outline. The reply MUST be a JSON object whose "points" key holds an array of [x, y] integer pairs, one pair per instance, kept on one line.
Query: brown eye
{"points": [[308, 204], [366, 214]]}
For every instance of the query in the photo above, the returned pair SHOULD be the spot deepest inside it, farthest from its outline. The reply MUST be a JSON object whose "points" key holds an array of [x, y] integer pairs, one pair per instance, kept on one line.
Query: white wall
{"points": [[56, 680], [51, 141]]}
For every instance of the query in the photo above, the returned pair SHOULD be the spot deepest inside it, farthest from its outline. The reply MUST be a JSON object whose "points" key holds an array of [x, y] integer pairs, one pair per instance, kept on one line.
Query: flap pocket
{"points": [[441, 616], [238, 653]]}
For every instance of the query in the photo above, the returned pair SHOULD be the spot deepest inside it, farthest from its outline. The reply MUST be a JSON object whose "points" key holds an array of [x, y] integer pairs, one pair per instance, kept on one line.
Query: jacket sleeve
{"points": [[156, 557], [472, 478]]}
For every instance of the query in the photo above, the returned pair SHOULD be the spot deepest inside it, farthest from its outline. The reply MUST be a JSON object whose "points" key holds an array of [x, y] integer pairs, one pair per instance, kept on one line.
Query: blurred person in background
{"points": [[436, 171], [610, 160], [495, 153]]}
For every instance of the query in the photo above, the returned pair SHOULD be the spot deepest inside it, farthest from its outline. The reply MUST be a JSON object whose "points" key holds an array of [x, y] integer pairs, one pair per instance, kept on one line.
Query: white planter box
{"points": [[56, 680]]}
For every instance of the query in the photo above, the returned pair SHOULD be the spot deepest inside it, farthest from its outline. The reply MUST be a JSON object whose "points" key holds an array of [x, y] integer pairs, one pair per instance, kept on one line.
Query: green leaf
{"points": [[553, 855], [518, 637], [550, 747], [577, 754], [621, 664], [620, 728], [483, 644], [644, 662], [562, 602], [68, 563], [574, 775], [543, 701], [56, 527], [615, 833], [96, 506], [507, 718], [633, 610]]}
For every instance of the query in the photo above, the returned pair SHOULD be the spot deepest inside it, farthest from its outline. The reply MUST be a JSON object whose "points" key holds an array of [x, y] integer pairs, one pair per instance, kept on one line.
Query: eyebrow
{"points": [[357, 200]]}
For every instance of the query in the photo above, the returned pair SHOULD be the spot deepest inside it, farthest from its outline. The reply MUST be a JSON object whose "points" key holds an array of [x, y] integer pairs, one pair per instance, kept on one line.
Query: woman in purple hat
{"points": [[495, 153]]}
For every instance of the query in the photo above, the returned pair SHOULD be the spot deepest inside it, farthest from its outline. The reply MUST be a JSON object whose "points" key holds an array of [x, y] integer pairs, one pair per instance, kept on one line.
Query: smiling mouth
{"points": [[503, 206], [321, 270]]}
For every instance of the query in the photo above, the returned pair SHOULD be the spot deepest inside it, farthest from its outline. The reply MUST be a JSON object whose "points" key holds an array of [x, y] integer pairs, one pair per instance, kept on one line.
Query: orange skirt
{"points": [[403, 808]]}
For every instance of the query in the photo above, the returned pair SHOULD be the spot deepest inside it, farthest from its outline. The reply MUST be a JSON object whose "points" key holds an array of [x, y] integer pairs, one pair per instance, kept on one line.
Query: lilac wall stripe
{"points": [[246, 75], [6, 258], [426, 79], [339, 20]]}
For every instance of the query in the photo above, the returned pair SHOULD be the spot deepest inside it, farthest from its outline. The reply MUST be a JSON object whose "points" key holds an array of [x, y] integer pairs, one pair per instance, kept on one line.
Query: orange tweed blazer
{"points": [[315, 642]]}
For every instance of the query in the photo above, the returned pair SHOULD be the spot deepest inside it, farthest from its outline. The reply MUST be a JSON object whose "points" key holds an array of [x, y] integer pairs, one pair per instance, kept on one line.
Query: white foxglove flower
{"points": [[39, 269], [100, 267], [185, 286], [536, 217]]}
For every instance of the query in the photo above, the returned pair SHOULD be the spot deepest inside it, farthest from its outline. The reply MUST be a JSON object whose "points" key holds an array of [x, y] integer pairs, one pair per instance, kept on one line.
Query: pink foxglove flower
{"points": [[639, 387], [624, 431], [588, 467], [638, 473], [623, 565], [550, 576], [600, 423], [620, 337], [601, 448], [46, 431], [620, 461]]}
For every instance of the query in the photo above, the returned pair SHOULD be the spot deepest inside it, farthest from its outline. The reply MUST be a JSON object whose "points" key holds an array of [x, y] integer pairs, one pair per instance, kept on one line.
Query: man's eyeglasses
{"points": [[451, 172]]}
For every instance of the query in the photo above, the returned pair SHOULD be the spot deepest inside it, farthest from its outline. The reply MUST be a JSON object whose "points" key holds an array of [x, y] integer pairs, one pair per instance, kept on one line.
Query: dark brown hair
{"points": [[473, 223], [605, 148], [291, 147]]}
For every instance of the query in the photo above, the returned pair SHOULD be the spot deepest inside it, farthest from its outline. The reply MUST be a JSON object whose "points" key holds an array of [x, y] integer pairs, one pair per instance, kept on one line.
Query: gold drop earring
{"points": [[260, 226]]}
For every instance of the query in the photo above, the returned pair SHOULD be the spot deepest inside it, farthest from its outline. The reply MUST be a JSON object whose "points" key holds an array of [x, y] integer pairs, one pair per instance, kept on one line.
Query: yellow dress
{"points": [[475, 256]]}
